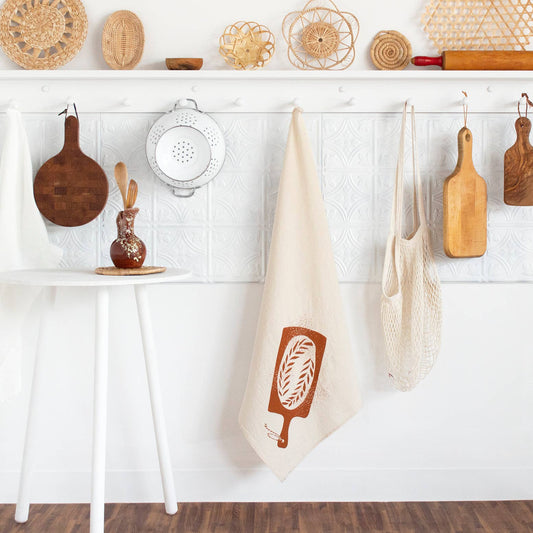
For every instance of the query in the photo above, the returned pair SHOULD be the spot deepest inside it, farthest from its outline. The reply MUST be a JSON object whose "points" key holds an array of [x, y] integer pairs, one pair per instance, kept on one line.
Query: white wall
{"points": [[464, 433]]}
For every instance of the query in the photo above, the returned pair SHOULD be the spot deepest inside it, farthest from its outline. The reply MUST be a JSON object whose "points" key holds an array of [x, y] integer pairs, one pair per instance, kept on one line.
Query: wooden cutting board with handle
{"points": [[465, 205], [71, 188], [518, 167]]}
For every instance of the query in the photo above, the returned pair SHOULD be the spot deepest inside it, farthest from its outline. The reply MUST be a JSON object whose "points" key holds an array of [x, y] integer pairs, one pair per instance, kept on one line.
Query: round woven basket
{"points": [[247, 45], [43, 35], [390, 50]]}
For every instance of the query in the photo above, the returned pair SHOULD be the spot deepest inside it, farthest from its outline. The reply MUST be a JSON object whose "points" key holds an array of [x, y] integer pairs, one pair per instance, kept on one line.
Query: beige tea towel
{"points": [[25, 245], [302, 384]]}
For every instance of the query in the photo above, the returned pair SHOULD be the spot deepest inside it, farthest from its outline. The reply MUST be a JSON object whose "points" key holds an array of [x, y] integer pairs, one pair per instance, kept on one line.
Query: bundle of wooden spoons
{"points": [[128, 188]]}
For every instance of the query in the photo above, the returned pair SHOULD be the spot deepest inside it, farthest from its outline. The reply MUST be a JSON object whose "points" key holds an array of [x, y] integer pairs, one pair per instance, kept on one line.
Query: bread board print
{"points": [[71, 189], [465, 205], [295, 377], [518, 167]]}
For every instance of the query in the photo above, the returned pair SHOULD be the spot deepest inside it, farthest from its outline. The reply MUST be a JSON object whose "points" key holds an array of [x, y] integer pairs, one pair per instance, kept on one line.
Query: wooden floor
{"points": [[447, 517]]}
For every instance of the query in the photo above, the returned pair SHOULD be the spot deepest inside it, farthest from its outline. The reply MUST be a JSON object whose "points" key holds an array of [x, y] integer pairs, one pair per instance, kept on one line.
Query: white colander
{"points": [[185, 148]]}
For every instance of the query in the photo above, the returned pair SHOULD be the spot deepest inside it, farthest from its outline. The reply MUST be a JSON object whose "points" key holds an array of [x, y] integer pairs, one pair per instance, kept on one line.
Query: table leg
{"points": [[23, 501], [165, 466], [100, 410]]}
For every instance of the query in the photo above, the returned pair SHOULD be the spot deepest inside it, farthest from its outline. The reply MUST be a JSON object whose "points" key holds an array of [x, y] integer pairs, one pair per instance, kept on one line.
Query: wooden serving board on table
{"points": [[465, 205], [71, 189], [518, 167]]}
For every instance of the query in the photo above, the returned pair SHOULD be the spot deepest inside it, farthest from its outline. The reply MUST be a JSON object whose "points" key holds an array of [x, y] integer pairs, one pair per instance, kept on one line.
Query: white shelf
{"points": [[264, 90], [430, 74]]}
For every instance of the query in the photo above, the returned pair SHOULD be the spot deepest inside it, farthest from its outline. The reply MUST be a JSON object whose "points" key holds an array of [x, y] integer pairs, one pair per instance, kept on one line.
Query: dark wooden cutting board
{"points": [[71, 188], [518, 167]]}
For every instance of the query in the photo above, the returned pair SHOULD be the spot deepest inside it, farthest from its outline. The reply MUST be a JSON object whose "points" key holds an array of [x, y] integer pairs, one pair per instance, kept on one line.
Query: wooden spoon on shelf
{"points": [[121, 177], [132, 194]]}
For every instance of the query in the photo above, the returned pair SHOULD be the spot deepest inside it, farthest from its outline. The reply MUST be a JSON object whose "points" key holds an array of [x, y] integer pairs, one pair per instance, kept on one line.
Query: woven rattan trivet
{"points": [[141, 271], [43, 35], [390, 50], [320, 36]]}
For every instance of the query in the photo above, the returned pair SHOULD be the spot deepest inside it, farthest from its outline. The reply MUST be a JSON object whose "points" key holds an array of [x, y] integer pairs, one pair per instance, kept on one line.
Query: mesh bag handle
{"points": [[419, 216]]}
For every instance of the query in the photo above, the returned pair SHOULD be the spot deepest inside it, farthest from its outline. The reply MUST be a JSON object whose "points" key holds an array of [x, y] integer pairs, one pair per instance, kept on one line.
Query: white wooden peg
{"points": [[70, 101], [297, 102], [351, 101], [127, 102], [14, 104], [239, 102]]}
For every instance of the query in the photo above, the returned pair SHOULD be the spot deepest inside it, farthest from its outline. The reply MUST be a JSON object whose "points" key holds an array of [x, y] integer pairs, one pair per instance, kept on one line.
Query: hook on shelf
{"points": [[239, 102], [351, 101], [464, 103], [296, 102], [13, 104]]}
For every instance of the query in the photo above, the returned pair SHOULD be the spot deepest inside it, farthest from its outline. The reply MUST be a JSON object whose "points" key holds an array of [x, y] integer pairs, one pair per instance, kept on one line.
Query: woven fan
{"points": [[42, 34], [320, 37], [247, 45], [479, 24]]}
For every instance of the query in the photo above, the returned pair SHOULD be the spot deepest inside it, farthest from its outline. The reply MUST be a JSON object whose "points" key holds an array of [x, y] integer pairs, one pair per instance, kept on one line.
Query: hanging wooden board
{"points": [[518, 167], [123, 40], [71, 188], [465, 205]]}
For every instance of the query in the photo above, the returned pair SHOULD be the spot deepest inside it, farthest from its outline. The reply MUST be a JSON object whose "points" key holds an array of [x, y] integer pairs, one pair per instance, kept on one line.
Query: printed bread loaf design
{"points": [[296, 371], [295, 377]]}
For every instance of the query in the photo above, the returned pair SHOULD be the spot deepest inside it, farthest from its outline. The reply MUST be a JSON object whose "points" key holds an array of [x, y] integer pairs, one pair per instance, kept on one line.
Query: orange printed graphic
{"points": [[295, 376]]}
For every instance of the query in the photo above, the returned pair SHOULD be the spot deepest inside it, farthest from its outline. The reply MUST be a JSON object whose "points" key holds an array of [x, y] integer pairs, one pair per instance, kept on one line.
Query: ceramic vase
{"points": [[127, 250]]}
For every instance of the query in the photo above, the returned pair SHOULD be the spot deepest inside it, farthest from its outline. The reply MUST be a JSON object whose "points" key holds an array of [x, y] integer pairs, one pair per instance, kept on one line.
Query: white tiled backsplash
{"points": [[222, 232]]}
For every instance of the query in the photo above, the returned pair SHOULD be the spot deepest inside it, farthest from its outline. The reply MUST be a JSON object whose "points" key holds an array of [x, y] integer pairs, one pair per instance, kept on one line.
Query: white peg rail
{"points": [[263, 90]]}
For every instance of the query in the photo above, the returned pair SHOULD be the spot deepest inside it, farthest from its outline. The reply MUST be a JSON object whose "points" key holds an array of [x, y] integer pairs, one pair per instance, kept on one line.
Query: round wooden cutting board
{"points": [[71, 188]]}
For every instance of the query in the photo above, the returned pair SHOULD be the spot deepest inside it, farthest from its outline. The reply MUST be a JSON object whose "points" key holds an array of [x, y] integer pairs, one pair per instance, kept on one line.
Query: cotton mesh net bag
{"points": [[411, 297]]}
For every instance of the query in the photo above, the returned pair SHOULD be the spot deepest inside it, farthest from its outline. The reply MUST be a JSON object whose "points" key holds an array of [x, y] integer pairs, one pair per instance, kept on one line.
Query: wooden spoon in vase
{"points": [[121, 177]]}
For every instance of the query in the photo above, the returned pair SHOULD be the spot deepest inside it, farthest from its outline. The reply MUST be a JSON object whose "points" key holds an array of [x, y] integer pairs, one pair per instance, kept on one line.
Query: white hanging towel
{"points": [[302, 384], [25, 245]]}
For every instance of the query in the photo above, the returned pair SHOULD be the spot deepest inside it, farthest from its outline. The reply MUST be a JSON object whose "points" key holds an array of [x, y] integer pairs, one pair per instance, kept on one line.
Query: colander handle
{"points": [[182, 102]]}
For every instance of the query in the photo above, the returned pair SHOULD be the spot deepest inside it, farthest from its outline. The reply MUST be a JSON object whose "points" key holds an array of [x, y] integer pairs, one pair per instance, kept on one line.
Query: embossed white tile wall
{"points": [[223, 232]]}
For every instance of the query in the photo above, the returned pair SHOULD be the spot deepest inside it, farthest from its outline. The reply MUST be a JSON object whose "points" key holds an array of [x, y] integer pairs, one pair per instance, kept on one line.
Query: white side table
{"points": [[50, 279]]}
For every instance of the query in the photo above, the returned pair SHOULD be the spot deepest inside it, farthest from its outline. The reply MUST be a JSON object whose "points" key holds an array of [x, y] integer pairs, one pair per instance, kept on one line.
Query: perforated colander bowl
{"points": [[185, 148]]}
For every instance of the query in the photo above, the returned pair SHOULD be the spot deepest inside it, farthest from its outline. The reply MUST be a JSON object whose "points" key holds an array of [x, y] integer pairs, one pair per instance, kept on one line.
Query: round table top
{"points": [[87, 278]]}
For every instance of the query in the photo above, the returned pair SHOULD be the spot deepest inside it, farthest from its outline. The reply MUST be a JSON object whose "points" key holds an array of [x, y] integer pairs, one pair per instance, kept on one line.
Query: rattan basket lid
{"points": [[42, 34]]}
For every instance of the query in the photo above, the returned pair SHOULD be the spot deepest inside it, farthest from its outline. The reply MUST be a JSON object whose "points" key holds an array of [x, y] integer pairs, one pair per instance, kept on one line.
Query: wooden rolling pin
{"points": [[478, 60]]}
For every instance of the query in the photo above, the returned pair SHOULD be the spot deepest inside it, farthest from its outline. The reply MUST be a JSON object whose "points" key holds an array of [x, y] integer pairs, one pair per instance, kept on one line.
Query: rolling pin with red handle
{"points": [[478, 60]]}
